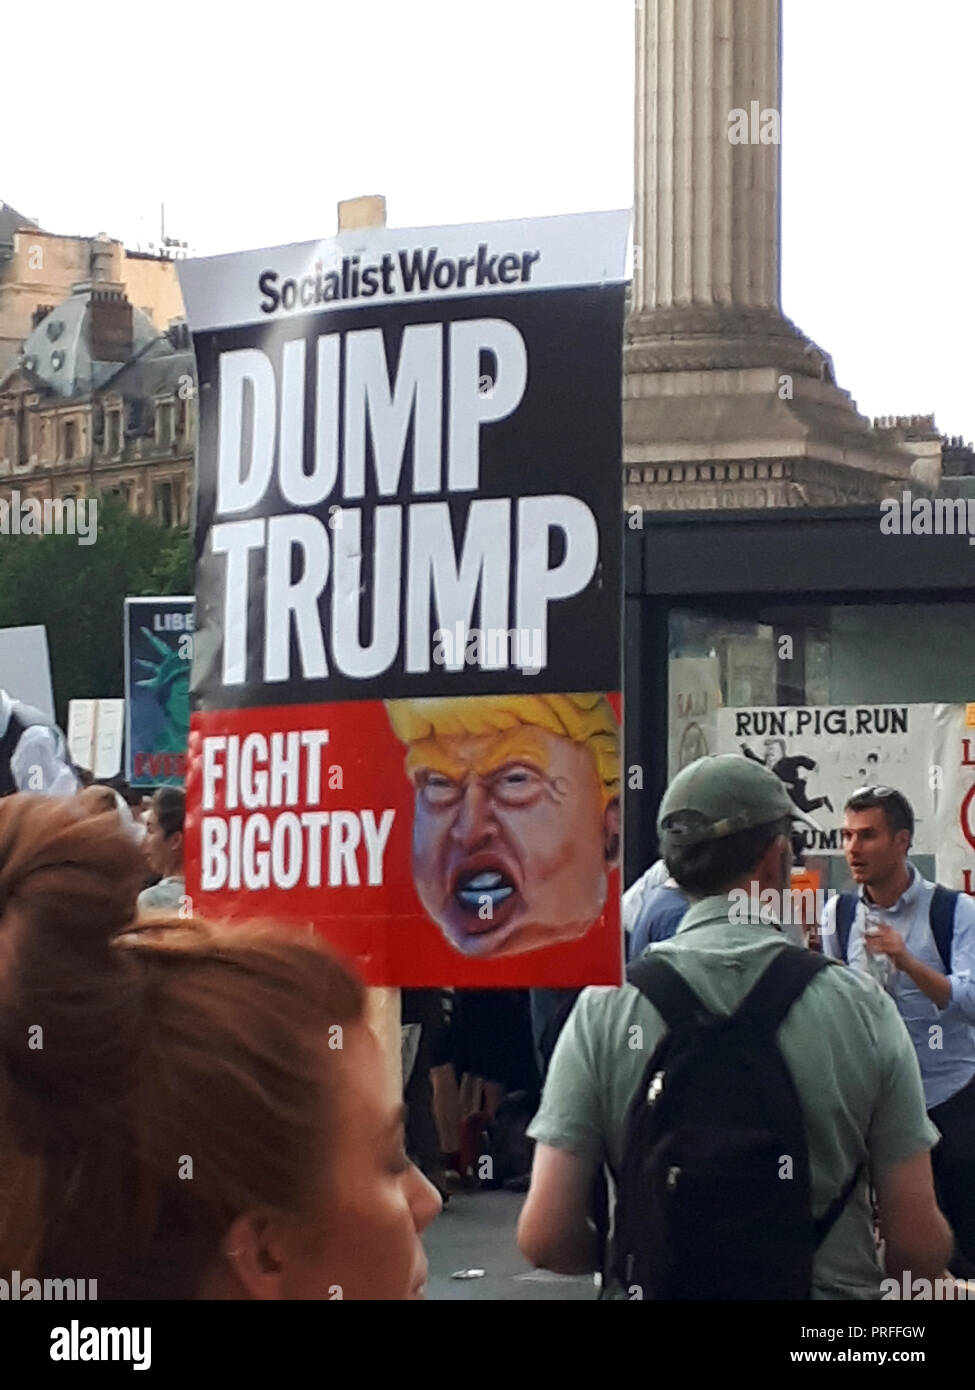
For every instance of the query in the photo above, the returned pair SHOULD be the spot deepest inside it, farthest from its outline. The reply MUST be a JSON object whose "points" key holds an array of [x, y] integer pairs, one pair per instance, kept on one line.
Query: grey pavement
{"points": [[477, 1231]]}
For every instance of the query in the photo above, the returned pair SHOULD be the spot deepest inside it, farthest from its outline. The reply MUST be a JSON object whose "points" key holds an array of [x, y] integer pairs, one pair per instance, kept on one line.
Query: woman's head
{"points": [[185, 1110], [163, 845], [98, 798]]}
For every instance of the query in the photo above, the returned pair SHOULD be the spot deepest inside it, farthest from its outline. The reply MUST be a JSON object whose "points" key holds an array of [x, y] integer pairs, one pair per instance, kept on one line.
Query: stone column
{"points": [[707, 209], [707, 216], [716, 379]]}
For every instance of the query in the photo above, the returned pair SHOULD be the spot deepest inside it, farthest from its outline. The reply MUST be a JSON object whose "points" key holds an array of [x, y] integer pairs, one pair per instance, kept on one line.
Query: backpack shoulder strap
{"points": [[942, 919], [846, 911], [666, 989], [780, 985], [835, 1210], [768, 1002]]}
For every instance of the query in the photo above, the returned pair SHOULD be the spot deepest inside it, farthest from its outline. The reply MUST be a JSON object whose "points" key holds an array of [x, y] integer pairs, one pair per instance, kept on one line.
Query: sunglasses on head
{"points": [[881, 793]]}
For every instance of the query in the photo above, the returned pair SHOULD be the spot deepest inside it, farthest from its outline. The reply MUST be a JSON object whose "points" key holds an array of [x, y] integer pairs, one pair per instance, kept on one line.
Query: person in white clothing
{"points": [[33, 752]]}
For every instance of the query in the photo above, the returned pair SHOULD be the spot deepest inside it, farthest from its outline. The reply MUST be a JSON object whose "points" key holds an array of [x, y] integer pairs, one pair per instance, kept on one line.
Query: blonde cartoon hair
{"points": [[583, 718]]}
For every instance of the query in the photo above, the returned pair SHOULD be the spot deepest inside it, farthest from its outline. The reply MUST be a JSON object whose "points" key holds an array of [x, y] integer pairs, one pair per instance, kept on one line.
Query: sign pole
{"points": [[383, 1003]]}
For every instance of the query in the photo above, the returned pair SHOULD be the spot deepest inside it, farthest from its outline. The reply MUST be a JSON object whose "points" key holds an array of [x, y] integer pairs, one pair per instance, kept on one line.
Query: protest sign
{"points": [[158, 656], [95, 736], [823, 753], [952, 776], [25, 667], [406, 726], [694, 696]]}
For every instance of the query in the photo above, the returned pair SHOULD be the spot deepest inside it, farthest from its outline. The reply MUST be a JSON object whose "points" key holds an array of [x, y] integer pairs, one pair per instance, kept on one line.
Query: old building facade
{"points": [[97, 395], [38, 269]]}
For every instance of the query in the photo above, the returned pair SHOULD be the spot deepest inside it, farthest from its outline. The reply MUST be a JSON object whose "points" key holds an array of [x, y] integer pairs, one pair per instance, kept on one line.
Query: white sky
{"points": [[251, 123]]}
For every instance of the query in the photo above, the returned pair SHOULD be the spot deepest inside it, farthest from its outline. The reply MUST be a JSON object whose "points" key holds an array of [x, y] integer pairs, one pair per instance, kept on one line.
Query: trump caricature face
{"points": [[513, 837]]}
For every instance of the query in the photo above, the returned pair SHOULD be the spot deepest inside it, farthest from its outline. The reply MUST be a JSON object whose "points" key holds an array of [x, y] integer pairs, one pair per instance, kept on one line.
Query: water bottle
{"points": [[880, 967]]}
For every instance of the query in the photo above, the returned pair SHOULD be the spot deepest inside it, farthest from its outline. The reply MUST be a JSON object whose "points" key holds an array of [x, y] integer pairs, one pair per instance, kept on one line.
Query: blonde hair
{"points": [[584, 718]]}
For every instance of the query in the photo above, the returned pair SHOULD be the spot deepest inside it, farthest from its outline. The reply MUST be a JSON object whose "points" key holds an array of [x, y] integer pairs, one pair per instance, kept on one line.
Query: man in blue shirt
{"points": [[891, 938], [725, 824], [661, 913]]}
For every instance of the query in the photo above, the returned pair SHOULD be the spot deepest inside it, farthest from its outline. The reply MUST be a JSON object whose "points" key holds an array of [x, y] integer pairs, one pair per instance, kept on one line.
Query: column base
{"points": [[701, 337], [752, 437]]}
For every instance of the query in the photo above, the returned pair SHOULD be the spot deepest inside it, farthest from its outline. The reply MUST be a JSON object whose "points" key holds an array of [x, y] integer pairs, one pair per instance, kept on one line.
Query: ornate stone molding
{"points": [[751, 485], [701, 338]]}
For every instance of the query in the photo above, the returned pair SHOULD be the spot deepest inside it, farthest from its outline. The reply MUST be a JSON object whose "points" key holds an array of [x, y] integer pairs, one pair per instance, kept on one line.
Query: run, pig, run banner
{"points": [[406, 678]]}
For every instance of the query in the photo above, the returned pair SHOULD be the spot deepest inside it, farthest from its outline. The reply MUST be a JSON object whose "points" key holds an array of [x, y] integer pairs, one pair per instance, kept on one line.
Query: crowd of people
{"points": [[863, 1075], [760, 1118]]}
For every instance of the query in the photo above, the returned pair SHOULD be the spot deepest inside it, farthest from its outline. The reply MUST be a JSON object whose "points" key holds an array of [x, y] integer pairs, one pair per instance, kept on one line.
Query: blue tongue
{"points": [[475, 897]]}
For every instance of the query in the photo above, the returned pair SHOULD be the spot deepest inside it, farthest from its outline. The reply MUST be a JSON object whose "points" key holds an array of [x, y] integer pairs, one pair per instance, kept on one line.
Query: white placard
{"points": [[953, 772], [823, 753], [367, 265], [25, 667], [95, 732], [81, 732], [694, 693], [109, 728]]}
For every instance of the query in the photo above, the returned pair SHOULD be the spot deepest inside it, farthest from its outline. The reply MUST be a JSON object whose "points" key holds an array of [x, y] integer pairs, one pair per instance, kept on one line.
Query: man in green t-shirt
{"points": [[725, 827]]}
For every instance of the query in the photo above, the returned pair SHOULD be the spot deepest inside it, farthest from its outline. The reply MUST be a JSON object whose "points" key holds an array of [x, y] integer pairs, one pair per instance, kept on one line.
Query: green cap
{"points": [[732, 793]]}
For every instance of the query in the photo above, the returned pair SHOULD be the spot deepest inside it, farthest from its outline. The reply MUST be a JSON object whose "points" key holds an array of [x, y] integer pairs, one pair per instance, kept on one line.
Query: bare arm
{"points": [[555, 1230], [916, 1235]]}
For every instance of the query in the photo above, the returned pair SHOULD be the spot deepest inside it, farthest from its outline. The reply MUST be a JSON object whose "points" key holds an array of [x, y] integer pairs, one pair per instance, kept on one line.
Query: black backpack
{"points": [[714, 1198], [941, 916]]}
